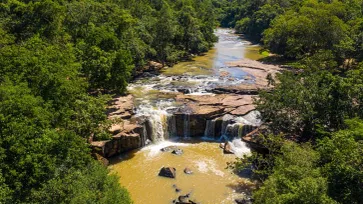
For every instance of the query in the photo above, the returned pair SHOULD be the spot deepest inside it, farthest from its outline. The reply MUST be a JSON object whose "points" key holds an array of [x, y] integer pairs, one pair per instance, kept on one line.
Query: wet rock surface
{"points": [[228, 148], [184, 199], [168, 172], [188, 171], [169, 148], [177, 152]]}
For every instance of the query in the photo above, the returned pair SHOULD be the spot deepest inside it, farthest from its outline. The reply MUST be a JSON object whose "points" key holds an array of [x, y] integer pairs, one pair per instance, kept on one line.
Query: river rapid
{"points": [[154, 95]]}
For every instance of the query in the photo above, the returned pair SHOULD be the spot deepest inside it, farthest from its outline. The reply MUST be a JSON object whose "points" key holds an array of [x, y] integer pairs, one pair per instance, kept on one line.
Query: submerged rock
{"points": [[169, 149], [188, 171], [168, 172], [177, 151], [228, 148], [177, 190], [184, 198]]}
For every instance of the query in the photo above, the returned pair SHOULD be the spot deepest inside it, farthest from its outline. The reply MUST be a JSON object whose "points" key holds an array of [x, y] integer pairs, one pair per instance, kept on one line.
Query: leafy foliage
{"points": [[297, 29], [295, 179], [342, 161], [53, 54]]}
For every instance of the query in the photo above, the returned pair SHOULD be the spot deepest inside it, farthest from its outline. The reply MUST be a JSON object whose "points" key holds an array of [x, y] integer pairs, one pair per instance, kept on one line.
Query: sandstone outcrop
{"points": [[121, 107], [127, 135], [200, 108]]}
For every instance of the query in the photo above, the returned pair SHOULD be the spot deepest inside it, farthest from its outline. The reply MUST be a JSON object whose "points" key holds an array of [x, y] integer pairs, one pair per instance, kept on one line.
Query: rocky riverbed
{"points": [[196, 106]]}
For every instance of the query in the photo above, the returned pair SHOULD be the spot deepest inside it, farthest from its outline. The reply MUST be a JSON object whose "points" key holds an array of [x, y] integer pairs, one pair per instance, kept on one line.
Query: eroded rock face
{"points": [[168, 172], [121, 107], [127, 137]]}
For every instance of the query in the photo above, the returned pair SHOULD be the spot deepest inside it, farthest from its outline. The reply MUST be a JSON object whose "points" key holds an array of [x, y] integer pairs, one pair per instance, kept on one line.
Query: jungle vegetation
{"points": [[57, 58], [314, 114]]}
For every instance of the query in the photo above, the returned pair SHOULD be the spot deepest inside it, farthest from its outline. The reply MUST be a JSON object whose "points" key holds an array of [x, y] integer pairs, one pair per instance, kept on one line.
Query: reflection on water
{"points": [[230, 47], [210, 182]]}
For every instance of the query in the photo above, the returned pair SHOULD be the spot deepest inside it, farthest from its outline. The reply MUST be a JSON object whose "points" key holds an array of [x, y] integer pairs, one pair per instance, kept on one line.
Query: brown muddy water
{"points": [[210, 182]]}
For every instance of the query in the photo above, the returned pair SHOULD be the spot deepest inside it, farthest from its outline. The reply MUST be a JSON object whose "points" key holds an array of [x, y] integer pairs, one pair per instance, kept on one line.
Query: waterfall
{"points": [[239, 147], [144, 136], [232, 130], [240, 130], [157, 125], [226, 120], [210, 128], [253, 118], [157, 122], [186, 125]]}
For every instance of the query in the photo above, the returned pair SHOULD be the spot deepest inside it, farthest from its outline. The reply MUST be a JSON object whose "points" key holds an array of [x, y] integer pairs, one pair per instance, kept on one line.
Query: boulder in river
{"points": [[188, 171], [228, 148], [169, 148], [168, 172], [184, 198], [177, 152]]}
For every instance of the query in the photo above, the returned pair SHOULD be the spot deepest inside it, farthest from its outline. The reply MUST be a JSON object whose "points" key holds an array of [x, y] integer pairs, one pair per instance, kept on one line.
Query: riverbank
{"points": [[201, 94], [197, 105]]}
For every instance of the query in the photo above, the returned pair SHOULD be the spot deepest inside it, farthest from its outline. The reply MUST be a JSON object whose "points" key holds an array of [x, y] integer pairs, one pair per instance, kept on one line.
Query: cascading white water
{"points": [[226, 120], [210, 128], [253, 118], [157, 118], [239, 147]]}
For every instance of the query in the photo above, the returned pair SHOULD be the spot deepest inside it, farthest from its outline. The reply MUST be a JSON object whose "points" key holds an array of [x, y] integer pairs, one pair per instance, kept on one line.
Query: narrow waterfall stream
{"points": [[169, 122]]}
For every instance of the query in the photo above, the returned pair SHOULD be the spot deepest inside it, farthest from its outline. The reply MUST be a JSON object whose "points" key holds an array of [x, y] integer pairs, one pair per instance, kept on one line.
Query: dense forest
{"points": [[314, 117], [56, 57]]}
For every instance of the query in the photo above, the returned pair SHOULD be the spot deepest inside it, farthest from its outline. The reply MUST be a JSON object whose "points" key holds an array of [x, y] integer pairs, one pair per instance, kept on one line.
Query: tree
{"points": [[165, 32], [295, 179], [342, 161]]}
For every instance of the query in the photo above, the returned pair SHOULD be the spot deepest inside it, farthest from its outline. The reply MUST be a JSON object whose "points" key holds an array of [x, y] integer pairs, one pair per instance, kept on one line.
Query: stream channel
{"points": [[154, 97]]}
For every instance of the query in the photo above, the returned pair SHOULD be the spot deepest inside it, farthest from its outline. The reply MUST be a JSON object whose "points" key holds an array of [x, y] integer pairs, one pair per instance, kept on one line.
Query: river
{"points": [[155, 97]]}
